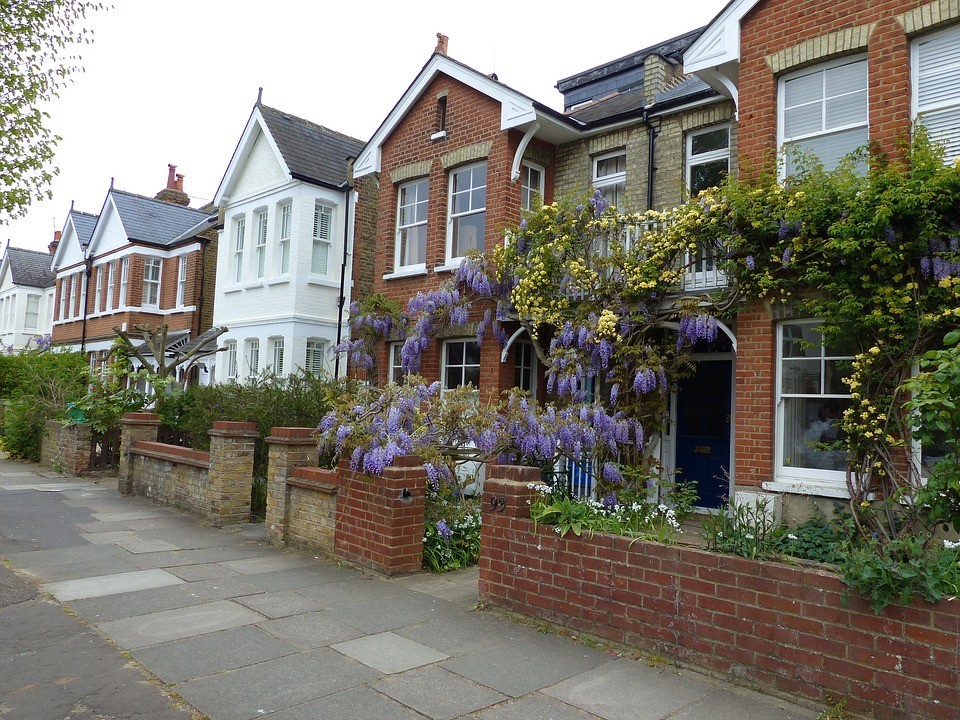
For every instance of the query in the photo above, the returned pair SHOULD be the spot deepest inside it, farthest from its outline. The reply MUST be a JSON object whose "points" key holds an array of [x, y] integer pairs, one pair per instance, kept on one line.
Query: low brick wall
{"points": [[66, 447], [170, 474], [311, 510], [779, 626]]}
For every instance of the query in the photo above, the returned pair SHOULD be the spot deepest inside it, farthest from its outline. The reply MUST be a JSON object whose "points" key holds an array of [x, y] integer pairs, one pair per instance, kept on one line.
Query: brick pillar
{"points": [[290, 447], [133, 427], [231, 472], [506, 500], [380, 519]]}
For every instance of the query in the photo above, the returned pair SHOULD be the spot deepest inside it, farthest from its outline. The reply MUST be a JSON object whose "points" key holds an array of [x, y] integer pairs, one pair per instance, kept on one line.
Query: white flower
{"points": [[951, 545], [792, 536]]}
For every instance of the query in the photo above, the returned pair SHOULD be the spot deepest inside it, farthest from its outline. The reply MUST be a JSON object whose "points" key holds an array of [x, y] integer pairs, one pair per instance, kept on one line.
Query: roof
{"points": [[672, 49], [30, 268], [312, 152], [632, 102], [152, 221], [83, 223]]}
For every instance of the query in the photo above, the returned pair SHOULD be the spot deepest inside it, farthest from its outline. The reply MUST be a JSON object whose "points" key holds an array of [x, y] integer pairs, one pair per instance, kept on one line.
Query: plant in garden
{"points": [[451, 537], [746, 529], [109, 396]]}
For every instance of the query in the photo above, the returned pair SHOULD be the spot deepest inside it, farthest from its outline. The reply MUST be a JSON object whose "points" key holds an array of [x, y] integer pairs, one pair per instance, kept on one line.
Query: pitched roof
{"points": [[30, 268], [312, 152], [632, 102], [84, 223], [154, 221]]}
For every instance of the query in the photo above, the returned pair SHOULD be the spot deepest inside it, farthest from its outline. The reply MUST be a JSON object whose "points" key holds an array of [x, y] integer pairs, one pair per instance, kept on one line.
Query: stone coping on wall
{"points": [[292, 436], [230, 428], [311, 478], [171, 453]]}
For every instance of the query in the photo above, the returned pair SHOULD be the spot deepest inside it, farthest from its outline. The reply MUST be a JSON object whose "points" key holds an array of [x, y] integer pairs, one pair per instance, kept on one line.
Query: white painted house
{"points": [[284, 262], [26, 297]]}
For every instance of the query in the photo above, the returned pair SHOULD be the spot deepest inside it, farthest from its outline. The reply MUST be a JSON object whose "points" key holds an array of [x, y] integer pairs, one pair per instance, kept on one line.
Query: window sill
{"points": [[408, 271], [439, 135], [231, 290], [322, 281], [450, 266], [252, 284], [282, 280], [796, 486]]}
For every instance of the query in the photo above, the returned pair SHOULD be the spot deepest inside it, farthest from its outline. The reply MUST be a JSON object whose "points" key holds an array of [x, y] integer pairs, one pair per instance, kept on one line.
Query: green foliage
{"points": [[897, 570], [819, 540], [451, 534], [745, 529], [109, 397], [36, 37], [23, 429]]}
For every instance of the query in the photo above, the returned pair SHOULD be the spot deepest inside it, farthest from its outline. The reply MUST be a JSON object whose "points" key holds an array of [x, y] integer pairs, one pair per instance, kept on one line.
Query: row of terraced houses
{"points": [[306, 217]]}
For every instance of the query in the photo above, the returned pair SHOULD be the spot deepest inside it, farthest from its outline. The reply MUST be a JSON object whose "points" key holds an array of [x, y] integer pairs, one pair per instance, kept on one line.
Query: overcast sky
{"points": [[174, 81]]}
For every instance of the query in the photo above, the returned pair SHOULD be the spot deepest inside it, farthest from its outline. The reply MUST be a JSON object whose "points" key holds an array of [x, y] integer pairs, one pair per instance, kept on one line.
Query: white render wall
{"points": [[13, 313]]}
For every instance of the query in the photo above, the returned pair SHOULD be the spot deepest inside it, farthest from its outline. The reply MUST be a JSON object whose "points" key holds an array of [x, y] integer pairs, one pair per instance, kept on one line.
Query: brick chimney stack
{"points": [[52, 247], [442, 41], [173, 192]]}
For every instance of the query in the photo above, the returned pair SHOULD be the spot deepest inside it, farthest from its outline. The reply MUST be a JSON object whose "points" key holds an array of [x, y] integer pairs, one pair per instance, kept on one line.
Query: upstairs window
{"points": [[261, 243], [124, 273], [111, 283], [411, 245], [936, 88], [239, 239], [181, 281], [97, 295], [31, 321], [63, 299], [531, 185], [824, 112], [286, 229], [610, 177], [151, 281], [708, 158], [322, 229], [72, 309], [468, 211]]}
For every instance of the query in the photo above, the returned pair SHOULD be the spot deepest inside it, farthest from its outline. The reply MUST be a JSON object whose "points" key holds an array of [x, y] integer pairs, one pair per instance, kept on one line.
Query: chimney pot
{"points": [[442, 42], [171, 176], [178, 185]]}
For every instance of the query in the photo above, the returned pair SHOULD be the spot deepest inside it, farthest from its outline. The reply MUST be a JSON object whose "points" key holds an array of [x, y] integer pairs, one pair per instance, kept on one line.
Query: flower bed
{"points": [[782, 627]]}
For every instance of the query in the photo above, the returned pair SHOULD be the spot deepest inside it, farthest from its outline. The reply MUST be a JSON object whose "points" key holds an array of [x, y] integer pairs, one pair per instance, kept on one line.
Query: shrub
{"points": [[744, 529]]}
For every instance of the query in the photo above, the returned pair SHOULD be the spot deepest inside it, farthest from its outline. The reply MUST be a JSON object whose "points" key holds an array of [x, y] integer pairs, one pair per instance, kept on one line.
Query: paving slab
{"points": [[279, 604], [311, 630], [213, 653], [108, 538], [130, 604], [389, 653], [541, 707], [127, 515], [257, 690], [99, 586], [225, 588], [461, 634], [302, 577], [167, 625], [739, 703], [437, 693], [361, 703], [267, 563], [203, 571], [138, 545]]}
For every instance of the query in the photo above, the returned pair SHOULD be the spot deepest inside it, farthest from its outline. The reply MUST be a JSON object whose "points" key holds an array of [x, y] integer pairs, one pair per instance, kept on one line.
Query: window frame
{"points": [[277, 353], [711, 156], [782, 82], [261, 246], [231, 359], [253, 357], [111, 284], [27, 312], [124, 281], [520, 367], [97, 290], [315, 347], [239, 243], [72, 309], [527, 191], [397, 374], [953, 103], [398, 264], [454, 217], [149, 262], [321, 244], [181, 281], [445, 365], [788, 477], [284, 235], [616, 180]]}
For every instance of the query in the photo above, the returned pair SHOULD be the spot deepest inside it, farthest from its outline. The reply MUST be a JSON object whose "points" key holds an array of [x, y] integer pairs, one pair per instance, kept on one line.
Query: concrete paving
{"points": [[239, 629]]}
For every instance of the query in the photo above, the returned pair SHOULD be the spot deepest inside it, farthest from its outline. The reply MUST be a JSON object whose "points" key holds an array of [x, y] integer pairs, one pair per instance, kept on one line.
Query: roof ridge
{"points": [[318, 126], [155, 200], [38, 252]]}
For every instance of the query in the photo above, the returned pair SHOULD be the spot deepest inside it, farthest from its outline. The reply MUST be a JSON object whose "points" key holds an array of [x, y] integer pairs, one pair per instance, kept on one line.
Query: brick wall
{"points": [[66, 447], [846, 27], [311, 510], [781, 627], [754, 395], [172, 475]]}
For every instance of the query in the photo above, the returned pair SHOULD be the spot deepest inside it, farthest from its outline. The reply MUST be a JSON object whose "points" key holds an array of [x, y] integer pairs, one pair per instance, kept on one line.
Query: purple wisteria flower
{"points": [[599, 203], [444, 530], [751, 264], [785, 258]]}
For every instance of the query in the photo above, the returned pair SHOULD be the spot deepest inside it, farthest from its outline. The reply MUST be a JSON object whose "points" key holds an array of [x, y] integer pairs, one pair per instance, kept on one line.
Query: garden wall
{"points": [[173, 475], [66, 447], [779, 626]]}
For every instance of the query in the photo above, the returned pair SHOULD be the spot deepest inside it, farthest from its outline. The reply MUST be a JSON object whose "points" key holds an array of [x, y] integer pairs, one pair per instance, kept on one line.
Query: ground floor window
{"points": [[314, 357], [461, 364], [525, 373]]}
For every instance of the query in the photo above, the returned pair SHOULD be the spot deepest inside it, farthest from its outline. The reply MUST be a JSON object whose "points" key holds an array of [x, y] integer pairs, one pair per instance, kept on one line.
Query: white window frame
{"points": [[231, 359], [704, 158], [445, 365], [262, 220], [403, 191], [239, 241], [63, 298], [82, 279], [320, 255], [31, 298], [111, 284], [276, 349], [949, 103], [181, 281], [397, 373], [615, 180], [151, 282], [453, 217], [97, 291], [124, 278], [526, 361], [831, 483], [253, 357], [313, 359], [783, 141], [72, 310], [528, 191], [285, 232]]}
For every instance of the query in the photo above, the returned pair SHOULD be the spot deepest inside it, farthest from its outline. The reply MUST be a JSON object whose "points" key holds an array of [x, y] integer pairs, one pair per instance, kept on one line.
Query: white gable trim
{"points": [[515, 109], [68, 239], [109, 208], [255, 124], [719, 43]]}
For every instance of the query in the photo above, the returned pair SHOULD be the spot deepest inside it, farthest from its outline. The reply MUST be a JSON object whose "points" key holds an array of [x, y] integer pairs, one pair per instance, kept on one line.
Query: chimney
{"points": [[52, 247], [173, 192], [442, 41]]}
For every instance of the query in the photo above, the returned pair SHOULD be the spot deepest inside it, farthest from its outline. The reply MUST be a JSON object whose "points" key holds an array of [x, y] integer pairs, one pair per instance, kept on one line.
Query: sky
{"points": [[175, 81]]}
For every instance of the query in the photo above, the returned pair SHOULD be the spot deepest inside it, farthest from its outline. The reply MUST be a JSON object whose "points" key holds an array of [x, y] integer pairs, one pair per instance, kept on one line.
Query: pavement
{"points": [[115, 607]]}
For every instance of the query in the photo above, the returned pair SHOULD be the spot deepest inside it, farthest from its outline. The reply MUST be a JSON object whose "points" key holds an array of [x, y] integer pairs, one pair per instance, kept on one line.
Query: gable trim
{"points": [[242, 153]]}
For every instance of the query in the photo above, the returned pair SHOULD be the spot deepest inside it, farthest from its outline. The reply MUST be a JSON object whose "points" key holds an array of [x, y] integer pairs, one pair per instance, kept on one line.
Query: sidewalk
{"points": [[241, 630]]}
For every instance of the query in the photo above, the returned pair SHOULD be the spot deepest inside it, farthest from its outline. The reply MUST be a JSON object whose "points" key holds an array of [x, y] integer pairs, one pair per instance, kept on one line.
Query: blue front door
{"points": [[703, 431]]}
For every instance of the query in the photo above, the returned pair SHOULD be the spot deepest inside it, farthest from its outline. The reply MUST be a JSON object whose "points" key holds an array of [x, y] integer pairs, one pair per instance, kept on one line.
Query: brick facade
{"points": [[781, 627]]}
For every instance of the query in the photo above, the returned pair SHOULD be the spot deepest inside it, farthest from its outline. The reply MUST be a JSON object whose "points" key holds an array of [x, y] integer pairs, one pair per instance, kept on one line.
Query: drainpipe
{"points": [[347, 187], [651, 142]]}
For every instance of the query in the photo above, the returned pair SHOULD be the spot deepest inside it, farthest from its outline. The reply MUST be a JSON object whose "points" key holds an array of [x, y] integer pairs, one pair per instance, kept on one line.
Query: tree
{"points": [[36, 39]]}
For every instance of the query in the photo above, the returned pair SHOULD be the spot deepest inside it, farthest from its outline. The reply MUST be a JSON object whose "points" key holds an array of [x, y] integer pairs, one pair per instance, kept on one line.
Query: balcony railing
{"points": [[701, 274]]}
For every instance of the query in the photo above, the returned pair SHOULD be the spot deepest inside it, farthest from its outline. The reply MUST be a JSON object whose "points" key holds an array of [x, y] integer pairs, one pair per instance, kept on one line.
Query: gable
{"points": [[259, 172], [110, 233], [69, 252]]}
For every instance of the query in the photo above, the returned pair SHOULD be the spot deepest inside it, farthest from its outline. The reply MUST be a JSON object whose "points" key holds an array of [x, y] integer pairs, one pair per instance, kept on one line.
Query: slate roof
{"points": [[30, 268], [83, 223], [152, 221], [632, 101], [312, 152]]}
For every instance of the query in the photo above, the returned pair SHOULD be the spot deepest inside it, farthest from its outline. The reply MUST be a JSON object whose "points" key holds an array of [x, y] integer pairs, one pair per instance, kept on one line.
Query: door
{"points": [[703, 431]]}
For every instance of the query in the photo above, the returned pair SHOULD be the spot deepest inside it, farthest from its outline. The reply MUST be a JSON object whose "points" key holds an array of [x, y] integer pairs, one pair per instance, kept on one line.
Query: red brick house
{"points": [[140, 261], [826, 78]]}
